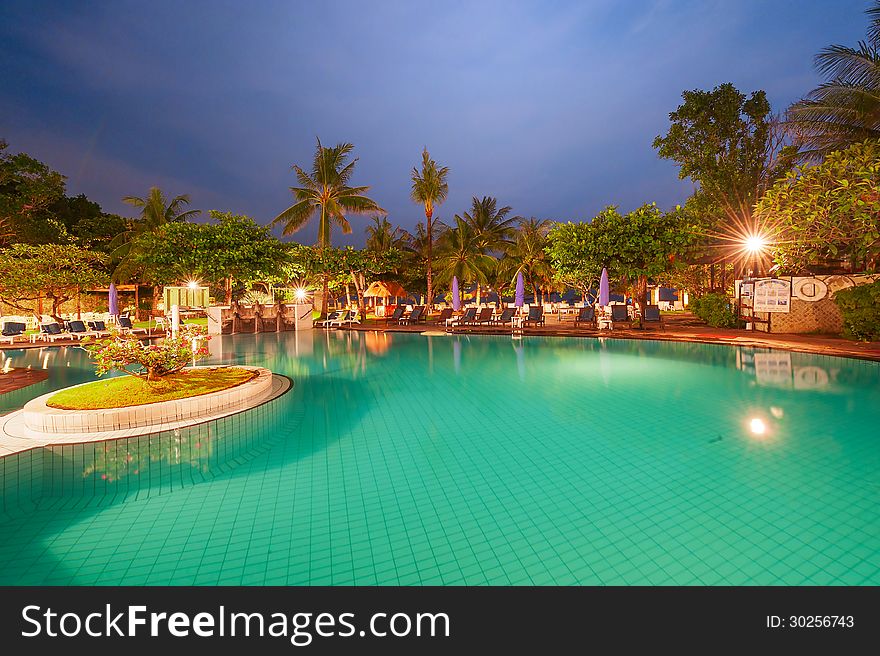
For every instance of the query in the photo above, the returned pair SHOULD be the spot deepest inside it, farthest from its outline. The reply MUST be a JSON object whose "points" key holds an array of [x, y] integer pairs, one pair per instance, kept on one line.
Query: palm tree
{"points": [[846, 108], [156, 212], [382, 236], [526, 255], [460, 253], [491, 225], [429, 188], [325, 192]]}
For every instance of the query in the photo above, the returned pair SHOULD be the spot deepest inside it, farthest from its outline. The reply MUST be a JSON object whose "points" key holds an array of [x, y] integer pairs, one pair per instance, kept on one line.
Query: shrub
{"points": [[860, 307], [149, 361], [715, 309]]}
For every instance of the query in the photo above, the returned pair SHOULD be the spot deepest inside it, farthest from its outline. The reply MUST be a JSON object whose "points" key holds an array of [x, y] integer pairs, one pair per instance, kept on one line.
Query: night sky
{"points": [[549, 106]]}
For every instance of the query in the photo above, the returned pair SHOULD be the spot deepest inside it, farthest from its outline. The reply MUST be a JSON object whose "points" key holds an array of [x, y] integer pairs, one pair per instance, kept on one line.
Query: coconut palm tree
{"points": [[382, 236], [460, 253], [526, 255], [325, 192], [429, 188], [846, 108], [156, 212], [492, 227]]}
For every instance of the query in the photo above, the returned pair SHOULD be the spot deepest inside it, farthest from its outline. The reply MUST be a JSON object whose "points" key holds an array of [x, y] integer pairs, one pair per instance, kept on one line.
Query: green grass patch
{"points": [[126, 391]]}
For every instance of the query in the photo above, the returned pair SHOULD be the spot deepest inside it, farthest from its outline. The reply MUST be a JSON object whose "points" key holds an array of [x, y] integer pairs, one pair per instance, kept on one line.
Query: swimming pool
{"points": [[409, 459]]}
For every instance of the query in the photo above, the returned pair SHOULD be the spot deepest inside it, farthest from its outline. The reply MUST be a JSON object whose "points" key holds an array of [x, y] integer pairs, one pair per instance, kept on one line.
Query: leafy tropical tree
{"points": [[28, 188], [728, 144], [642, 244], [429, 188], [86, 223], [844, 109], [57, 272], [645, 243], [828, 213], [574, 261], [325, 192], [460, 254], [733, 148], [233, 249]]}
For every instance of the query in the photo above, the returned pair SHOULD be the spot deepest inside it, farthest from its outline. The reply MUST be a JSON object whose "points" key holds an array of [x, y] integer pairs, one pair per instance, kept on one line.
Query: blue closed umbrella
{"points": [[456, 297], [520, 299], [114, 300], [604, 294]]}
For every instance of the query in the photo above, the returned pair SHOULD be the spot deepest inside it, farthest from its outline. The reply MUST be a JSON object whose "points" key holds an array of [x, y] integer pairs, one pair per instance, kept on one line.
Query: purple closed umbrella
{"points": [[604, 294], [456, 297], [520, 299], [114, 300]]}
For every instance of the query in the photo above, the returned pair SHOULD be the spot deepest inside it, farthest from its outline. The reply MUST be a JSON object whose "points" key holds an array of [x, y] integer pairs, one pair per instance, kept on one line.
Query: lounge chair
{"points": [[652, 315], [126, 326], [395, 316], [346, 316], [469, 315], [78, 329], [51, 332], [98, 327], [507, 315], [11, 330], [536, 316], [586, 315], [445, 315], [620, 314], [485, 316], [414, 317], [328, 321]]}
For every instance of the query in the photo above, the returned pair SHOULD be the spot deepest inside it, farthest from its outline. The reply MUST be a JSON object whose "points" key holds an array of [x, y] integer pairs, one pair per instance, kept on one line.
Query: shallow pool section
{"points": [[410, 459]]}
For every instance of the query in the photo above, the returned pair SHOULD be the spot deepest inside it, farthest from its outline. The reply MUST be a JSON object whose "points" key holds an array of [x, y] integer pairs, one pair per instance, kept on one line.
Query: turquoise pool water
{"points": [[414, 459]]}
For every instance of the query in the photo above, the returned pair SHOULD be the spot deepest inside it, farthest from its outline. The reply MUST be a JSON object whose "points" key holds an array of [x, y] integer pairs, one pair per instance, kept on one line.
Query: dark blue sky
{"points": [[550, 106]]}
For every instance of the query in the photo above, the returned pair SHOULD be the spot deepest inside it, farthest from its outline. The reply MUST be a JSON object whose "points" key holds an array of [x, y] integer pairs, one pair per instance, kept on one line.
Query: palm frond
{"points": [[295, 216]]}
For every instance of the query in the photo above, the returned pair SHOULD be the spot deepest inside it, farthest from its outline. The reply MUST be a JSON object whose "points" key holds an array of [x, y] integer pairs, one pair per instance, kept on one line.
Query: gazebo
{"points": [[385, 291]]}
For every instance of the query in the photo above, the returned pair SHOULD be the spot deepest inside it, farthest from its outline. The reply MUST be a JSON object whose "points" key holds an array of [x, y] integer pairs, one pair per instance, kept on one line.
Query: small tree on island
{"points": [[150, 362]]}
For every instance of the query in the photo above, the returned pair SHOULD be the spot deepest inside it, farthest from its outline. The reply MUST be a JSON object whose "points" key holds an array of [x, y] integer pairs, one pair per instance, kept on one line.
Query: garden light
{"points": [[755, 243]]}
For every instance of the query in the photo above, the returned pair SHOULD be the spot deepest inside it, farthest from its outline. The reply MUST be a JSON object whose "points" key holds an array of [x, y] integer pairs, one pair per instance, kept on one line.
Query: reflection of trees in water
{"points": [[159, 462]]}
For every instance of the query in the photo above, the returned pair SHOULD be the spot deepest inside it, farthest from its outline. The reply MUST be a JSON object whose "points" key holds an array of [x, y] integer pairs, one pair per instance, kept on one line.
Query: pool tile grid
{"points": [[464, 496]]}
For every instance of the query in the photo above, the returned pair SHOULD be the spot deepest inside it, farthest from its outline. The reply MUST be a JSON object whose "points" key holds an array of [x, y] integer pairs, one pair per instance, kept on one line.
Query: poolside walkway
{"points": [[679, 327]]}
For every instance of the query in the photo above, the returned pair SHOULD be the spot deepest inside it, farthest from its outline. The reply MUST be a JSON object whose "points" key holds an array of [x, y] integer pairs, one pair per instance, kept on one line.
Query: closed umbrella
{"points": [[520, 299], [604, 295], [456, 297], [114, 300]]}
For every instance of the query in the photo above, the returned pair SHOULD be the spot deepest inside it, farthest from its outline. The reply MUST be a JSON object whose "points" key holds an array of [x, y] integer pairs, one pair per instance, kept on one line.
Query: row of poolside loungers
{"points": [[477, 320]]}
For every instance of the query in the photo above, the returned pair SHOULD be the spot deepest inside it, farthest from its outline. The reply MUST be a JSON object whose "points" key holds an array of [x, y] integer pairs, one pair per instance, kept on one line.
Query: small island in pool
{"points": [[127, 391]]}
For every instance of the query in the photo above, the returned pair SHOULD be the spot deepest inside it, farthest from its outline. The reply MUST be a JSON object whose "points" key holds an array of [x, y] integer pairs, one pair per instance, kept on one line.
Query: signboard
{"points": [[772, 295], [185, 297]]}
